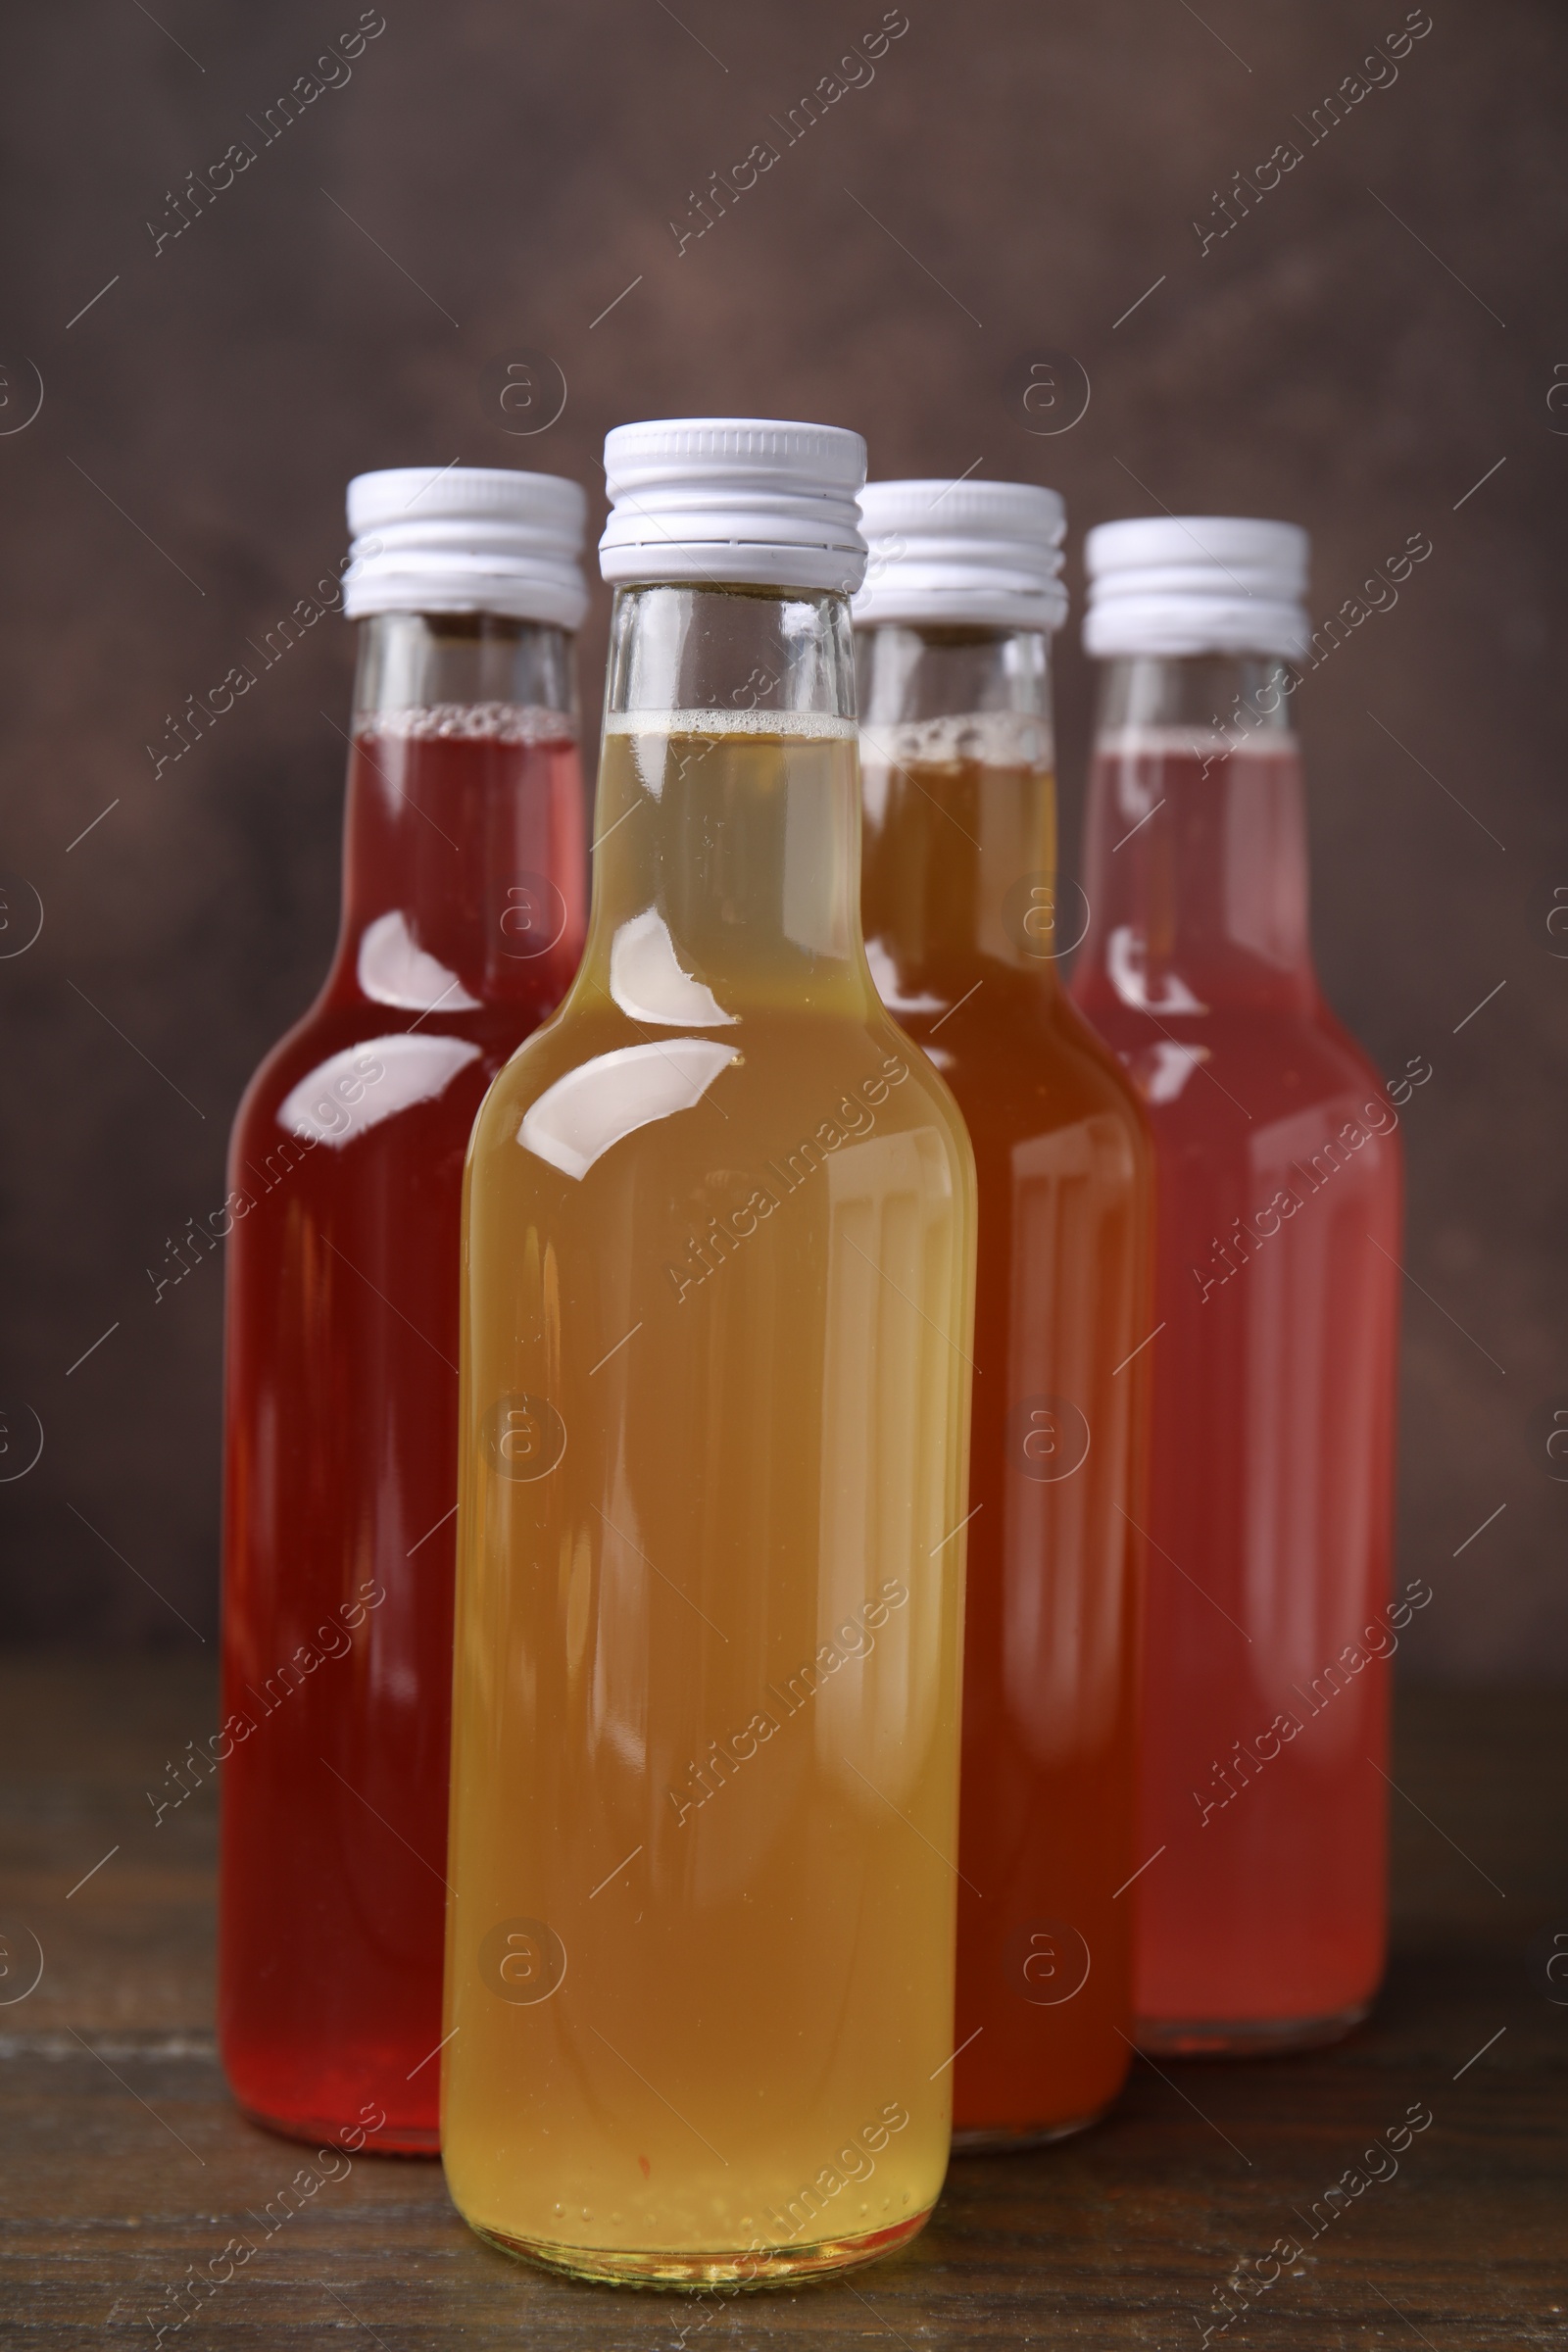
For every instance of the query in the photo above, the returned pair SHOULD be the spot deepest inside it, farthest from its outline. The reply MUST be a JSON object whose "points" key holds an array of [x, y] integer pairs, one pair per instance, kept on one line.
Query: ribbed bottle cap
{"points": [[984, 552], [726, 500], [1196, 584], [467, 539]]}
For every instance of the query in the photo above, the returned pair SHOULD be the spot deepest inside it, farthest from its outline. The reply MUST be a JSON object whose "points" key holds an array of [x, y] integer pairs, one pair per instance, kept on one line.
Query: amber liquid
{"points": [[714, 1375], [962, 924]]}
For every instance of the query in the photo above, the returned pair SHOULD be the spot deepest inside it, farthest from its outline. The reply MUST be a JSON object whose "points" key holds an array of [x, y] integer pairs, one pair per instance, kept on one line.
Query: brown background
{"points": [[1031, 170]]}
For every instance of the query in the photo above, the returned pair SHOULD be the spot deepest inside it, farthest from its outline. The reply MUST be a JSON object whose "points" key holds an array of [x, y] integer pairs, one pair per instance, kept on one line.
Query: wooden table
{"points": [[123, 2169]]}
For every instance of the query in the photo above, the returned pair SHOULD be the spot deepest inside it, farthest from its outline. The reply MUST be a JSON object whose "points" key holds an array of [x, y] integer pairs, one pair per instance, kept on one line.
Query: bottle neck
{"points": [[960, 809], [726, 866], [1196, 842], [464, 841]]}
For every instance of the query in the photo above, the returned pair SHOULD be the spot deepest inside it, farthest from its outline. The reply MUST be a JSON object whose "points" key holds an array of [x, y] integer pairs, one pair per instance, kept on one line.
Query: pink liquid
{"points": [[1262, 1917]]}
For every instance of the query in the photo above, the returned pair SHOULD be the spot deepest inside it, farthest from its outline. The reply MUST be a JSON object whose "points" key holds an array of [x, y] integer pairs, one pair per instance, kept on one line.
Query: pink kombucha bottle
{"points": [[1262, 1808]]}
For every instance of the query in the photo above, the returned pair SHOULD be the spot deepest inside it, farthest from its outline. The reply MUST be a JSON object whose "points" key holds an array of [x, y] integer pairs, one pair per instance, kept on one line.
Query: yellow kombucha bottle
{"points": [[716, 1363]]}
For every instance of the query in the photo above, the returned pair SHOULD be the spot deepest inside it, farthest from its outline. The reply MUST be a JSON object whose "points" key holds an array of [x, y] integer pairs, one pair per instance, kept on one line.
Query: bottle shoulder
{"points": [[349, 1066], [1205, 1077], [1023, 1062], [1307, 1030], [591, 1083]]}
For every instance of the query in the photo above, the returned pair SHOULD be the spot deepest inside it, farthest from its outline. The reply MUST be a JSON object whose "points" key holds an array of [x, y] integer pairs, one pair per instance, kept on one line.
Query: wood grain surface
{"points": [[124, 2171]]}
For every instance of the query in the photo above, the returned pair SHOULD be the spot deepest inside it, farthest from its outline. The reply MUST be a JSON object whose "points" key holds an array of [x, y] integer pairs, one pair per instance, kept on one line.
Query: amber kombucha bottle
{"points": [[1262, 1800], [463, 887], [718, 1282], [964, 924]]}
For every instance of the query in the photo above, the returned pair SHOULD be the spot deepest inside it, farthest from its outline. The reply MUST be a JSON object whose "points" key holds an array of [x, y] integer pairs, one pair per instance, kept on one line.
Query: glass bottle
{"points": [[715, 1380], [1262, 1811], [463, 878], [964, 927]]}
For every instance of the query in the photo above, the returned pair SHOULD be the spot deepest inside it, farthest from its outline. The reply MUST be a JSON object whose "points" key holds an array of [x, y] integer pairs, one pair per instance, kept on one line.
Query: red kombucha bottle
{"points": [[462, 919], [1262, 1806], [963, 927]]}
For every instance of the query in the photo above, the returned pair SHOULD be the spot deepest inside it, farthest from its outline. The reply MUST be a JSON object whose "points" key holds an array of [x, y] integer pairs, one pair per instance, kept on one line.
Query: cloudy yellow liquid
{"points": [[716, 1366]]}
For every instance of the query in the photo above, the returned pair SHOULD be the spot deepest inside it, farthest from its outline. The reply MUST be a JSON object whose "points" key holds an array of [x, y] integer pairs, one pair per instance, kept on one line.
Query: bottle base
{"points": [[392, 2139], [773, 2266], [1247, 2037], [1009, 2139]]}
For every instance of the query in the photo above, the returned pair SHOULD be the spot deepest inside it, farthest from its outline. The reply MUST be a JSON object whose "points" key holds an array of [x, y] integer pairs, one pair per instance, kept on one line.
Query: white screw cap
{"points": [[1196, 584], [952, 552], [468, 539], [724, 500]]}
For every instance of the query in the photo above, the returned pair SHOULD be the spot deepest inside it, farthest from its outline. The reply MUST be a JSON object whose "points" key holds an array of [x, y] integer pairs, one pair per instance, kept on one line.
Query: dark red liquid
{"points": [[464, 893], [1266, 1706]]}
